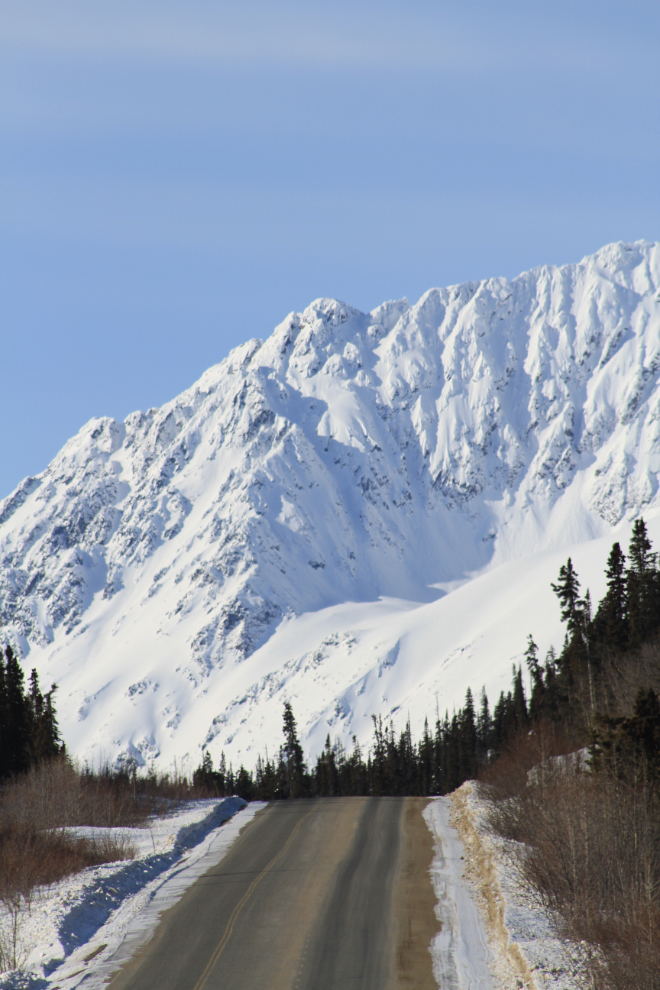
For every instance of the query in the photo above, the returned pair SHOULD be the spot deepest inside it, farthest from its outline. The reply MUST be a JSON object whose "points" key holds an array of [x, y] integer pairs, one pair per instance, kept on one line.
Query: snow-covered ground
{"points": [[78, 931], [358, 514], [462, 956]]}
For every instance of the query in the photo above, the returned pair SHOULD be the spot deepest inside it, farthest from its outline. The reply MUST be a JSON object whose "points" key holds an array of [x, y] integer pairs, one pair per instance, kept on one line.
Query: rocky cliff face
{"points": [[349, 456]]}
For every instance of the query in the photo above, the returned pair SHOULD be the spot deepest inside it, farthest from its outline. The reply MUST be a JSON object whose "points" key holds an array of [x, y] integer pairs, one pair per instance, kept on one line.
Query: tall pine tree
{"points": [[16, 734], [641, 587], [612, 616], [567, 591], [29, 732], [293, 756]]}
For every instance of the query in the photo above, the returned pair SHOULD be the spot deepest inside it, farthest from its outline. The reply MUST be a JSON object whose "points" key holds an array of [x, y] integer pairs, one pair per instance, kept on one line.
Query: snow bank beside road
{"points": [[461, 954], [82, 929], [527, 952]]}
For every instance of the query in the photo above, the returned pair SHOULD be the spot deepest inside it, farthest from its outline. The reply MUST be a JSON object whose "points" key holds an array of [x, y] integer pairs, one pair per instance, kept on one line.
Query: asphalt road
{"points": [[305, 899]]}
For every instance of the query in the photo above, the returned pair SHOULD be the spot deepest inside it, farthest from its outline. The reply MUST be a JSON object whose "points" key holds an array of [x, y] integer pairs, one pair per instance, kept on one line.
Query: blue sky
{"points": [[177, 177]]}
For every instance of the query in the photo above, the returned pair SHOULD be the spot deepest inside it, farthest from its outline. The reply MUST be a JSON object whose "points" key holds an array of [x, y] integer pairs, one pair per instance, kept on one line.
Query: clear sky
{"points": [[177, 177]]}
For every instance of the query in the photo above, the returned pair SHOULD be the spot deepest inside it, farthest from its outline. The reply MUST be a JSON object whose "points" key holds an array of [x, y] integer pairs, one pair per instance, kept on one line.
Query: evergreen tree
{"points": [[612, 617], [520, 713], [552, 693], [379, 762], [567, 591], [468, 740], [536, 678], [484, 728], [630, 747], [204, 776], [44, 731], [16, 755], [642, 561], [584, 652], [244, 785], [294, 763], [425, 780], [440, 753], [327, 775], [357, 773], [642, 598]]}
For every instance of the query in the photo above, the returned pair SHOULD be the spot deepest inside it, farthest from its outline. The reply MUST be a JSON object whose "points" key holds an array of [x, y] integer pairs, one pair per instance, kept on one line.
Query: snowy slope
{"points": [[302, 522]]}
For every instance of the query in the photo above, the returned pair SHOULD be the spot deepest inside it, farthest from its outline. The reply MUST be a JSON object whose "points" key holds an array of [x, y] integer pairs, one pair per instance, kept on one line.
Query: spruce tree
{"points": [[642, 598], [244, 785], [520, 713], [425, 782], [567, 591], [293, 756], [43, 730], [642, 561], [612, 618], [17, 729], [440, 753], [468, 739], [484, 727], [536, 679], [552, 694], [4, 719]]}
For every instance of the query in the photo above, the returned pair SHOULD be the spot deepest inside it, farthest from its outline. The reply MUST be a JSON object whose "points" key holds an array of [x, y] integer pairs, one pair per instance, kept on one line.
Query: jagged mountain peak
{"points": [[348, 457]]}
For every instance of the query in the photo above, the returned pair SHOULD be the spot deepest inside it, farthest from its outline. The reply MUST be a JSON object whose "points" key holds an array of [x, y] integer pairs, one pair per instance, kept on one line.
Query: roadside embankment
{"points": [[527, 953]]}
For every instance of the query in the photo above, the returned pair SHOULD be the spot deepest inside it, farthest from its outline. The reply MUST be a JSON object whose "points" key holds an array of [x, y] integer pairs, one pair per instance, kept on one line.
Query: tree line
{"points": [[29, 732], [396, 764], [603, 685]]}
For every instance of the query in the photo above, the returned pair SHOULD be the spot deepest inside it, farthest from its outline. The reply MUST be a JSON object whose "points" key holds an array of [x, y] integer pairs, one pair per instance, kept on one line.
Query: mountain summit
{"points": [[168, 571]]}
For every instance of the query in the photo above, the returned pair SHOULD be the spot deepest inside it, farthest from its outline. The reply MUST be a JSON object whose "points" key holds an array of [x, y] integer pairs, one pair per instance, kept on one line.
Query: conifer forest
{"points": [[600, 690]]}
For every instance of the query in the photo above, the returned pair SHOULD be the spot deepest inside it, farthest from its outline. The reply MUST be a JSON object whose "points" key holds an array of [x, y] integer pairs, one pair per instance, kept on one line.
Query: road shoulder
{"points": [[462, 955], [414, 902]]}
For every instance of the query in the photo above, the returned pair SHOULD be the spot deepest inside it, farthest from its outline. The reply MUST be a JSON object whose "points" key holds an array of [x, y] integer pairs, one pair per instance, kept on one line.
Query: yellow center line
{"points": [[241, 904]]}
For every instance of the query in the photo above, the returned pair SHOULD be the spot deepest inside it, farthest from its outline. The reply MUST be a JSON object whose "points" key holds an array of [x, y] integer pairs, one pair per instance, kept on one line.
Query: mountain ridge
{"points": [[349, 457]]}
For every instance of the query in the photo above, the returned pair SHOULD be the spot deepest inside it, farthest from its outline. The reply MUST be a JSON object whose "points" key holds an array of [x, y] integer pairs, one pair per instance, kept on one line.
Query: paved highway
{"points": [[329, 894]]}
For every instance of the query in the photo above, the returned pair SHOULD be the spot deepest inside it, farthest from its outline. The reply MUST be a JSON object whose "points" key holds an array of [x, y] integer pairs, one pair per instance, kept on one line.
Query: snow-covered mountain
{"points": [[289, 525]]}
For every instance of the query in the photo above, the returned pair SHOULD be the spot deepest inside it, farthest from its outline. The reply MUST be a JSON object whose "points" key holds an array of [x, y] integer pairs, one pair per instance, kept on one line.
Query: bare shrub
{"points": [[508, 775], [35, 847], [592, 857], [38, 808], [30, 858], [56, 793]]}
